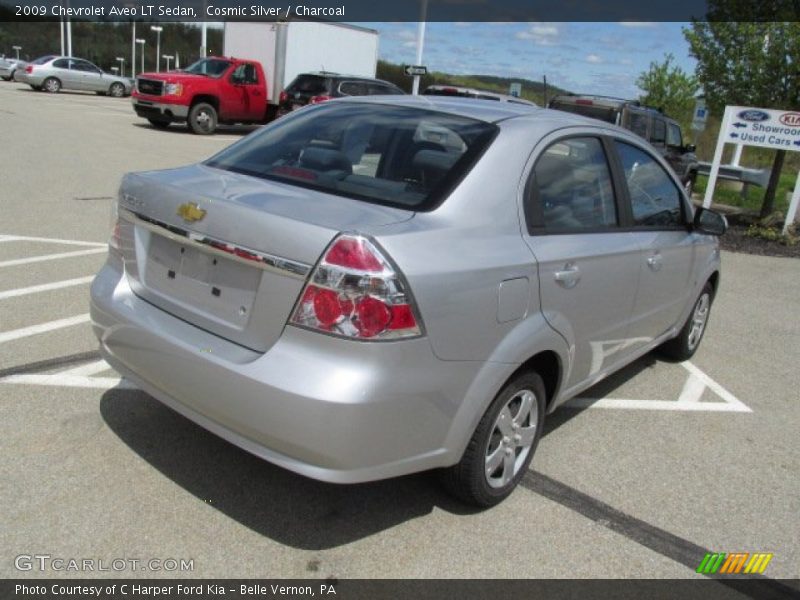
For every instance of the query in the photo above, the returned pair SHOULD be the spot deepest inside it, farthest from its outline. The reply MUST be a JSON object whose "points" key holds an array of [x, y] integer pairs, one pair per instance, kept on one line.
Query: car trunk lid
{"points": [[228, 252]]}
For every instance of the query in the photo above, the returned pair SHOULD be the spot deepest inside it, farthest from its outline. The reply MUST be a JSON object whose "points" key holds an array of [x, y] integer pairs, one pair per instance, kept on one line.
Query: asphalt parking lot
{"points": [[641, 477]]}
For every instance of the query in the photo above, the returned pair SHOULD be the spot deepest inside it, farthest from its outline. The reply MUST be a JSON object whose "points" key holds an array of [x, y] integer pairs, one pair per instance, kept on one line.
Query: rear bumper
{"points": [[150, 109], [330, 409]]}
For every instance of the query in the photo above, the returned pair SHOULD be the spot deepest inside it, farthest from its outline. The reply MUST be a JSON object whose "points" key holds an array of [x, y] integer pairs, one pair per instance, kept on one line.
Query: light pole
{"points": [[121, 61], [158, 29], [17, 48], [167, 57], [142, 42], [420, 43]]}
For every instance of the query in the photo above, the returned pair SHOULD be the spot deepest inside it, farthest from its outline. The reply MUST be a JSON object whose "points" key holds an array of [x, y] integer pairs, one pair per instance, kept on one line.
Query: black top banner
{"points": [[401, 10]]}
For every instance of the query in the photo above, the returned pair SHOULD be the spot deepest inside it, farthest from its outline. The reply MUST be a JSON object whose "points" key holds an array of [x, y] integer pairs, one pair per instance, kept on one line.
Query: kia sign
{"points": [[764, 128], [761, 127]]}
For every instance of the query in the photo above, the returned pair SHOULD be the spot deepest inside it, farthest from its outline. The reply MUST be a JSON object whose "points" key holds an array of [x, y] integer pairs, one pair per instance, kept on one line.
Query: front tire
{"points": [[202, 119], [501, 449], [685, 345], [117, 90], [51, 85]]}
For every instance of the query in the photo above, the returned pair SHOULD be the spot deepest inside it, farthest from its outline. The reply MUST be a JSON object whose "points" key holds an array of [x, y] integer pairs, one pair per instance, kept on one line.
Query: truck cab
{"points": [[211, 91]]}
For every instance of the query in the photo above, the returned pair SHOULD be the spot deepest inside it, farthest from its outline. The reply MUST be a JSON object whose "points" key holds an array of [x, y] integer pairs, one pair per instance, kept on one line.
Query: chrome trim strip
{"points": [[204, 243]]}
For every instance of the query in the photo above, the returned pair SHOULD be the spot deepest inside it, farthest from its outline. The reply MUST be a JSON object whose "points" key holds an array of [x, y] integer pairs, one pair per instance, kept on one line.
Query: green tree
{"points": [[748, 63], [670, 88]]}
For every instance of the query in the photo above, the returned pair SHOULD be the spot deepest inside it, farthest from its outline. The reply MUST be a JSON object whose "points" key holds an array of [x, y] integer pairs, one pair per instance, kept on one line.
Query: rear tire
{"points": [[51, 85], [202, 119], [685, 345], [501, 449], [117, 90], [159, 124]]}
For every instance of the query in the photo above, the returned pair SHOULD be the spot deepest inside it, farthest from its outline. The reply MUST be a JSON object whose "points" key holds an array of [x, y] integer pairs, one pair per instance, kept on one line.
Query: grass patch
{"points": [[754, 197]]}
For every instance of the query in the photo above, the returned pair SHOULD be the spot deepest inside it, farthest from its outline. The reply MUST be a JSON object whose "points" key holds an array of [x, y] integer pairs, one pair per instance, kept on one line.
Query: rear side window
{"points": [[353, 88], [399, 156], [571, 187], [61, 63], [637, 123], [655, 199]]}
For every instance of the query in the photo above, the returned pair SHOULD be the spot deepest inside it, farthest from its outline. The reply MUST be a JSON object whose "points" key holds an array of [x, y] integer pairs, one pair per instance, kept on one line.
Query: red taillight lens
{"points": [[29, 69], [355, 292], [283, 97], [318, 99], [352, 253]]}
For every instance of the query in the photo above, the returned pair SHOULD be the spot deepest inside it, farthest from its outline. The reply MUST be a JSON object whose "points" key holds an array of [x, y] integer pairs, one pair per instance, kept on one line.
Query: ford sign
{"points": [[753, 115]]}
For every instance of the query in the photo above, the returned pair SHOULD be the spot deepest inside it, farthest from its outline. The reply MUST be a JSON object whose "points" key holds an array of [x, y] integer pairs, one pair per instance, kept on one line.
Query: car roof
{"points": [[478, 91], [490, 112]]}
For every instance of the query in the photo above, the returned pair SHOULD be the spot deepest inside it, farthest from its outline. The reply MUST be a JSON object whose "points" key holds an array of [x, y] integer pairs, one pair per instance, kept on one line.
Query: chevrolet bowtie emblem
{"points": [[191, 212]]}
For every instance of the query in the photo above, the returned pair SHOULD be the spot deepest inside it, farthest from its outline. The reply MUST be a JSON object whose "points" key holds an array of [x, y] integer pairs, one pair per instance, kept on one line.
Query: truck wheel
{"points": [[159, 124], [52, 85], [502, 447], [202, 119]]}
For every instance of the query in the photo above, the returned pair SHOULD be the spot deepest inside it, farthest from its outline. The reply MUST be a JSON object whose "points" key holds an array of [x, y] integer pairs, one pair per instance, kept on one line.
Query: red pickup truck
{"points": [[213, 90]]}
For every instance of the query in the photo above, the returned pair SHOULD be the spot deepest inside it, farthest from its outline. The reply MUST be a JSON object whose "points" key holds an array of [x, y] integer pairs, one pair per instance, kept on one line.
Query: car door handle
{"points": [[655, 262], [569, 277]]}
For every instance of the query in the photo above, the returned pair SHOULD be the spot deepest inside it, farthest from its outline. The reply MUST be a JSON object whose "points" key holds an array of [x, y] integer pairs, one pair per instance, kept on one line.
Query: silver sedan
{"points": [[55, 73], [380, 285], [8, 66]]}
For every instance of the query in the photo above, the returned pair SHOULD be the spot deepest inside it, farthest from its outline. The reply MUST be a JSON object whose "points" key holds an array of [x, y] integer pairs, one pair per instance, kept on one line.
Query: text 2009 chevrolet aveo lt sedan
{"points": [[378, 286]]}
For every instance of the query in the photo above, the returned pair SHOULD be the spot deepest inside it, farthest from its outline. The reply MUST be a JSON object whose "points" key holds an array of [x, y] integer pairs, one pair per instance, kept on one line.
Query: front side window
{"points": [[655, 199], [404, 157], [353, 88], [674, 135], [572, 187]]}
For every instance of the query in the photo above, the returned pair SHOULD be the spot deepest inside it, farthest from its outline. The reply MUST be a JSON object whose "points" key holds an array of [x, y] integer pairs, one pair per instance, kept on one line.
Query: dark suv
{"points": [[312, 88], [650, 123]]}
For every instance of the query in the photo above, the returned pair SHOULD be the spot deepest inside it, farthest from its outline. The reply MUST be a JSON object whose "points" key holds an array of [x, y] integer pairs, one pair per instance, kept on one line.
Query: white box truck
{"points": [[286, 49]]}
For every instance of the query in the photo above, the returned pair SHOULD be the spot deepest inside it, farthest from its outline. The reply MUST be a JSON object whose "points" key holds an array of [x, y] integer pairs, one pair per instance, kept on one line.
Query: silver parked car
{"points": [[9, 66], [381, 285], [54, 73]]}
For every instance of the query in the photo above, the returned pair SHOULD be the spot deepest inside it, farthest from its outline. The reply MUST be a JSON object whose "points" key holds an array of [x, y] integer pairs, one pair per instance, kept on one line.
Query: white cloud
{"points": [[637, 24], [542, 34], [594, 59]]}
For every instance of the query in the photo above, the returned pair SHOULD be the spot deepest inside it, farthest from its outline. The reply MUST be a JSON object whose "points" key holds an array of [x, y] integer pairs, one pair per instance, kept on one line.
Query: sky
{"points": [[599, 58]]}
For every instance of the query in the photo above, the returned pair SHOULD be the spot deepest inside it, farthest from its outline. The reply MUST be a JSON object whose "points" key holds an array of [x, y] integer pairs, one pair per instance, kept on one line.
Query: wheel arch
{"points": [[206, 98]]}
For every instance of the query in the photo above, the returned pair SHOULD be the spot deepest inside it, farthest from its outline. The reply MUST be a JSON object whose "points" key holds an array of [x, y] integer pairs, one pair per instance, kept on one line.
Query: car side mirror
{"points": [[710, 222], [689, 148]]}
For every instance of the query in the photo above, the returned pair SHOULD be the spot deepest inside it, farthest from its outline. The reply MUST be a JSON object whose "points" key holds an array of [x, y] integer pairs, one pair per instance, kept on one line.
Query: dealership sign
{"points": [[761, 127]]}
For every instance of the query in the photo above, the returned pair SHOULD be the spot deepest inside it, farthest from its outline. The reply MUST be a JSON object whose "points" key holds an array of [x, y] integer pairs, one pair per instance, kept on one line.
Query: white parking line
{"points": [[92, 368], [45, 287], [689, 399], [46, 257], [62, 380], [15, 334], [25, 238]]}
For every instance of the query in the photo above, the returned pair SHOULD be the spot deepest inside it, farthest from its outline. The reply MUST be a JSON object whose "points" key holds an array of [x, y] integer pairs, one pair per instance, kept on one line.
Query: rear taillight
{"points": [[354, 292], [318, 99], [284, 97], [114, 238], [29, 69]]}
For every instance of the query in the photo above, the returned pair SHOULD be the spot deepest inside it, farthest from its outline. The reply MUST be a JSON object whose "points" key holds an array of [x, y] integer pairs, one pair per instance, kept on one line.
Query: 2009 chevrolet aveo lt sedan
{"points": [[377, 286]]}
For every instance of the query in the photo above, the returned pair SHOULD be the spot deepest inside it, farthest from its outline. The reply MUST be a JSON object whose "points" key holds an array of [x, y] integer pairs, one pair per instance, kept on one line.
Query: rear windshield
{"points": [[398, 156], [309, 84], [43, 59], [604, 113]]}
